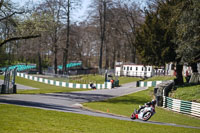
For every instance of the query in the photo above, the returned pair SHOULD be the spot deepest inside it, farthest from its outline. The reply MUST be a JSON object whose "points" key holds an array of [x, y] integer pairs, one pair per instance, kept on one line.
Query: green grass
{"points": [[124, 80], [15, 119], [126, 104], [81, 79], [42, 87], [160, 78], [187, 92], [86, 79]]}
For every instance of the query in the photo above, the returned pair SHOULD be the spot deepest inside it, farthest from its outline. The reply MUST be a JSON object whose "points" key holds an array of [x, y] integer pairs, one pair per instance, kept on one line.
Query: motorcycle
{"points": [[92, 86], [144, 113]]}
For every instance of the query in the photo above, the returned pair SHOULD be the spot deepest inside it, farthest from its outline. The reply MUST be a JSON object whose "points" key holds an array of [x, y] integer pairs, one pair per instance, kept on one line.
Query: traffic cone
{"points": [[107, 110]]}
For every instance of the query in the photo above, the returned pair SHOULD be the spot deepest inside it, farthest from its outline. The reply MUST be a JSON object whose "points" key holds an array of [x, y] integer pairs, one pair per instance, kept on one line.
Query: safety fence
{"points": [[181, 106], [19, 67], [148, 83], [106, 85]]}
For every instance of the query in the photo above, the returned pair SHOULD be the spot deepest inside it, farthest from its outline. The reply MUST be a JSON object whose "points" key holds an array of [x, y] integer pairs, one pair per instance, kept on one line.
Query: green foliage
{"points": [[154, 37], [188, 29], [15, 119], [170, 32]]}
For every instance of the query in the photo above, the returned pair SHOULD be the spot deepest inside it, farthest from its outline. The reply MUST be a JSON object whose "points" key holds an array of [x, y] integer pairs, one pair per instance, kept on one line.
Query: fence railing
{"points": [[181, 106], [106, 85]]}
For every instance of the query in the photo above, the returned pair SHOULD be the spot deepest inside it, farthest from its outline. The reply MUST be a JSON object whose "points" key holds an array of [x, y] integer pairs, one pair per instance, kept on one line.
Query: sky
{"points": [[78, 14]]}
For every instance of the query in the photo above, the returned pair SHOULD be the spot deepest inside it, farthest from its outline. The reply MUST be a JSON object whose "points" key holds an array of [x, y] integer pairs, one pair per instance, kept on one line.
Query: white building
{"points": [[134, 70]]}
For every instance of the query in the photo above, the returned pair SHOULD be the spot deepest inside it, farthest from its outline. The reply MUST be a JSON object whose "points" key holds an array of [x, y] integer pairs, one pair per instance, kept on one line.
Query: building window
{"points": [[127, 68], [149, 69], [130, 68], [124, 68], [142, 68], [136, 69]]}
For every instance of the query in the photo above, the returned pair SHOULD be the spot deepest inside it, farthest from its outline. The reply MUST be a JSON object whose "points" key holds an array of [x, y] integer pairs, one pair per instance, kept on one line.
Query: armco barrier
{"points": [[106, 85], [182, 106]]}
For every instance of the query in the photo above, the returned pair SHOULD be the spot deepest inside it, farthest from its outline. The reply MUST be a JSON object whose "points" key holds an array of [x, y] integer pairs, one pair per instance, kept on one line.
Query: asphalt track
{"points": [[20, 86], [71, 102]]}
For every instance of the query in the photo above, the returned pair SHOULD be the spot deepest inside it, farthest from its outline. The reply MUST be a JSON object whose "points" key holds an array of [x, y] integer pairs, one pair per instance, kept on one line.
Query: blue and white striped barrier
{"points": [[106, 85]]}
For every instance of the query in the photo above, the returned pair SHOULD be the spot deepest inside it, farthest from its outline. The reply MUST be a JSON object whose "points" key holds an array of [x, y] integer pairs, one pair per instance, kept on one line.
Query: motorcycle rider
{"points": [[148, 104], [92, 85]]}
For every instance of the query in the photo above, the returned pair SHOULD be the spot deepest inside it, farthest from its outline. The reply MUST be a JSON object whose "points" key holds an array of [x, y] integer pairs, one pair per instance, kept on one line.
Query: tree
{"points": [[70, 5], [55, 11], [99, 18], [130, 16], [156, 36], [188, 37], [7, 13]]}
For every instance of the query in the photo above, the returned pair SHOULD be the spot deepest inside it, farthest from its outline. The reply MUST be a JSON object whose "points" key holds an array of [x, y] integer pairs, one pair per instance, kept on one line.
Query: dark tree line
{"points": [[105, 37], [170, 34]]}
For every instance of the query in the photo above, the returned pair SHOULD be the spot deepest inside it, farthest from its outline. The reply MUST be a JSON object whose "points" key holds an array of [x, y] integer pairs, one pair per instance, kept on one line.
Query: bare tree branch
{"points": [[1, 3], [6, 17], [17, 38]]}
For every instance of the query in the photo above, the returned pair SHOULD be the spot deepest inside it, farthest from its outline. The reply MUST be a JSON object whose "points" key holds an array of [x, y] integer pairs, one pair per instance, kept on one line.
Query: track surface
{"points": [[20, 86], [71, 102]]}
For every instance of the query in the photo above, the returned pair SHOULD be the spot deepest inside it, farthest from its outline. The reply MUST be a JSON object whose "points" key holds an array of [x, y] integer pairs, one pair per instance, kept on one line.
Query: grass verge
{"points": [[86, 79], [124, 80], [15, 119], [42, 87], [187, 92], [160, 78], [81, 79], [126, 104]]}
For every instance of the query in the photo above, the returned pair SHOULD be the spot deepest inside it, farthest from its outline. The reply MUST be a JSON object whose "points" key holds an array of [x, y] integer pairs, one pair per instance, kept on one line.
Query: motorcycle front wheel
{"points": [[133, 117], [147, 115]]}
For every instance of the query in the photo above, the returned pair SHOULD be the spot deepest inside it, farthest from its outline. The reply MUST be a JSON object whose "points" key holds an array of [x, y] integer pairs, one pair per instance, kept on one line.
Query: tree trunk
{"points": [[179, 76], [133, 54], [126, 53], [39, 63], [55, 61], [65, 55], [102, 30], [107, 56], [102, 41], [118, 53], [114, 58], [194, 67]]}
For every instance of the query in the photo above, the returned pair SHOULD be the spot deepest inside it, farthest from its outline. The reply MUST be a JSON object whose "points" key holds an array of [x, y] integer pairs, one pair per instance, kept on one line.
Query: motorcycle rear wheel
{"points": [[147, 115]]}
